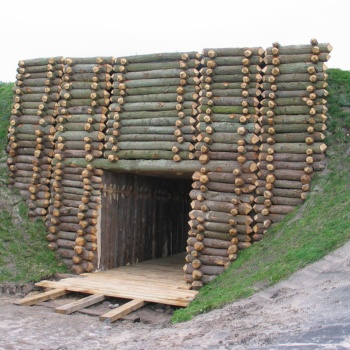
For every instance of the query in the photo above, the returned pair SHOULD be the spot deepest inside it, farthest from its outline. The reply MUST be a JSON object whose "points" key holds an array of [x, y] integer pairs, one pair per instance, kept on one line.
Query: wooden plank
{"points": [[37, 298], [154, 296], [123, 310], [80, 304]]}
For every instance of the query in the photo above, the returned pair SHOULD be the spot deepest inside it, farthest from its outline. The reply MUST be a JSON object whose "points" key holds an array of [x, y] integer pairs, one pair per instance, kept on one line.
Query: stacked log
{"points": [[85, 92], [84, 103], [292, 120], [31, 133], [73, 215], [227, 148], [153, 105]]}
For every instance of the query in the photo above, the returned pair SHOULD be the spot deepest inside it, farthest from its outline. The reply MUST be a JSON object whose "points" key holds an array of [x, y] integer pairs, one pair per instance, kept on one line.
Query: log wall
{"points": [[246, 123]]}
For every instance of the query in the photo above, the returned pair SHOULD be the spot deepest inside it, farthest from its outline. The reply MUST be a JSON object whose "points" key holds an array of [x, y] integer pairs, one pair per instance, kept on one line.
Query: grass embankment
{"points": [[306, 235], [24, 256]]}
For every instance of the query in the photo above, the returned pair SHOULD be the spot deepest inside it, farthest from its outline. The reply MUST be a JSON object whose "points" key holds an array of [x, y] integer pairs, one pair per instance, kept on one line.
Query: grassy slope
{"points": [[306, 235], [24, 256]]}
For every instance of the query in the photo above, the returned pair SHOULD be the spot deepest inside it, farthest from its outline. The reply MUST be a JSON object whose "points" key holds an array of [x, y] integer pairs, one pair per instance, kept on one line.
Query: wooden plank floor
{"points": [[158, 281]]}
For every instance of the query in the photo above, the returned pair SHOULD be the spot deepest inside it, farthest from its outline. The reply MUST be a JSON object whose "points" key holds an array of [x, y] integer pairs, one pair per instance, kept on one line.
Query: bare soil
{"points": [[310, 310]]}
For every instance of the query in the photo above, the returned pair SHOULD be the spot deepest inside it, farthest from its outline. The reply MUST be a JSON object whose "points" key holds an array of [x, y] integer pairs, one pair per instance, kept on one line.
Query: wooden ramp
{"points": [[157, 281]]}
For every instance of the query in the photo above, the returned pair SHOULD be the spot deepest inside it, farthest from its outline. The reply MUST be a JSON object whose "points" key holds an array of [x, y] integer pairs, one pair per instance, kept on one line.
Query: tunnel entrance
{"points": [[142, 218]]}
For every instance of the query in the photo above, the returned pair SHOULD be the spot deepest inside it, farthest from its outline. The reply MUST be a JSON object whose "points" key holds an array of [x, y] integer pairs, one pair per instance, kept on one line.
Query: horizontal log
{"points": [[229, 127], [149, 66], [297, 58], [294, 102], [225, 109], [231, 85], [155, 129], [295, 68], [80, 118], [39, 61], [275, 209], [303, 93], [78, 110], [157, 57], [224, 187], [88, 68], [241, 208], [228, 70], [151, 90], [296, 77], [225, 147], [229, 138], [274, 218], [228, 155], [156, 74], [218, 216], [87, 77], [231, 61], [149, 154], [145, 83], [38, 82], [242, 52], [64, 243], [205, 269], [295, 128], [209, 242], [298, 148], [161, 145], [214, 260], [230, 93], [301, 49], [220, 196], [284, 165], [71, 61], [290, 86], [152, 122], [290, 157], [80, 135], [296, 119], [232, 78], [149, 114], [282, 174], [210, 234]]}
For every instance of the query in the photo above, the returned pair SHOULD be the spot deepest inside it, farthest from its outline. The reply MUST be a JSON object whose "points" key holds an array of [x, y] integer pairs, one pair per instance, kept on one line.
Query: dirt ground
{"points": [[311, 310]]}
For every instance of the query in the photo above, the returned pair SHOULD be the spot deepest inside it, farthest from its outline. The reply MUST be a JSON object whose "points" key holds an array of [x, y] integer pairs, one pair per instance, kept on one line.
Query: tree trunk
{"points": [[241, 208], [290, 86], [298, 148], [240, 52], [301, 49], [231, 78]]}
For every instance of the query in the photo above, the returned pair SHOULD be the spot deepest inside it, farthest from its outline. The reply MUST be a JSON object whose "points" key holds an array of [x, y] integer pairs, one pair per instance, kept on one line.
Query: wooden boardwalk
{"points": [[156, 281]]}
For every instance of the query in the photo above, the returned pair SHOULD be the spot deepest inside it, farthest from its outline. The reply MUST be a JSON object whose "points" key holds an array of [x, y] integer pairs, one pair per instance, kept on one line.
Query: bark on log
{"points": [[241, 208], [240, 52], [233, 78], [298, 148], [301, 49], [221, 197], [290, 86], [296, 119]]}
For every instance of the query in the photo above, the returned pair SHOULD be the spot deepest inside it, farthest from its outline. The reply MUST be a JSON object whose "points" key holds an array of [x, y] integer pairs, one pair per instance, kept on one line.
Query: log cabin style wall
{"points": [[94, 141]]}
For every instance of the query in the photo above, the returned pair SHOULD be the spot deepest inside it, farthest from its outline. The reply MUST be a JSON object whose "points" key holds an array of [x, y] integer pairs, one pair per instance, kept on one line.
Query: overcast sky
{"points": [[44, 28]]}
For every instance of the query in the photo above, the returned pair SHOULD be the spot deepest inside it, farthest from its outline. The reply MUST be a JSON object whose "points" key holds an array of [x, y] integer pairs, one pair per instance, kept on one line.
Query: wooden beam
{"points": [[80, 304], [123, 310], [34, 299]]}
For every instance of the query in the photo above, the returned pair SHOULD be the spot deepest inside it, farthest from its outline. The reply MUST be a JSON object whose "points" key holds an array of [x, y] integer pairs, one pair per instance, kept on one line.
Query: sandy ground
{"points": [[311, 310]]}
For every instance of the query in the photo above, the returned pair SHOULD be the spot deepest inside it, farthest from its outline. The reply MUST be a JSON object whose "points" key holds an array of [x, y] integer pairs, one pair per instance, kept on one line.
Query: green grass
{"points": [[6, 96], [24, 256], [306, 235]]}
